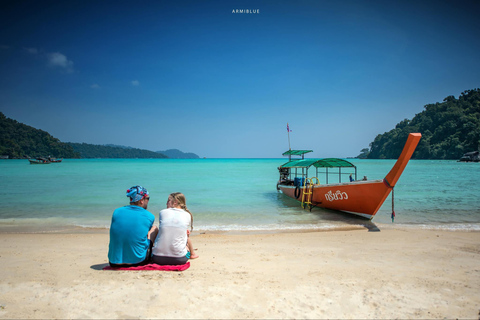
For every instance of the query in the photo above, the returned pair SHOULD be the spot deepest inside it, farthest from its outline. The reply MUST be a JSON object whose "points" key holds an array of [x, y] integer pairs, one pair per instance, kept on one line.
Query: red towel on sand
{"points": [[153, 266]]}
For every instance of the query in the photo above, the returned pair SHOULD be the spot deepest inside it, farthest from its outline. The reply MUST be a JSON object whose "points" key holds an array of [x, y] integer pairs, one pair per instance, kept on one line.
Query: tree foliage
{"points": [[449, 129], [17, 140], [363, 153]]}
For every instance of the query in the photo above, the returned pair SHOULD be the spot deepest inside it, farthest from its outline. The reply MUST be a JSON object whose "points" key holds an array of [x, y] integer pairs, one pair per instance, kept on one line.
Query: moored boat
{"points": [[473, 156], [44, 160], [363, 198], [39, 161]]}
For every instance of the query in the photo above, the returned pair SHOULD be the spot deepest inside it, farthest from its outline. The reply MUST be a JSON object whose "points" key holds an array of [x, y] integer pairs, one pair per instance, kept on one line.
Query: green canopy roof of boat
{"points": [[296, 152], [318, 163]]}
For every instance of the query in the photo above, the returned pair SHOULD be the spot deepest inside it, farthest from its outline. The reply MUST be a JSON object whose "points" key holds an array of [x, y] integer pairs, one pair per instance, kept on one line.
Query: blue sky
{"points": [[196, 76]]}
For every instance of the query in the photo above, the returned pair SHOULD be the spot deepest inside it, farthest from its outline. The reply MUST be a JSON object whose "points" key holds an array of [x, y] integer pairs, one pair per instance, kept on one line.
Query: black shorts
{"points": [[169, 261], [144, 262]]}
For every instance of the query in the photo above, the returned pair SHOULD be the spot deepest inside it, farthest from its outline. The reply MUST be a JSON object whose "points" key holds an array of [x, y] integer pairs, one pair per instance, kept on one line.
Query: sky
{"points": [[223, 78]]}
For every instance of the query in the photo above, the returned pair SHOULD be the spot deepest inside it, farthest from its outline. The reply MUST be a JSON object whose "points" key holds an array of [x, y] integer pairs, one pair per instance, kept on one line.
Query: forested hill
{"points": [[170, 153], [18, 140], [449, 129], [177, 154], [99, 151]]}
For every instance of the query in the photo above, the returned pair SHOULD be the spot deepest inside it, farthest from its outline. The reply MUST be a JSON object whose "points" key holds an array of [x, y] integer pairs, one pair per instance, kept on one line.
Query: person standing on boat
{"points": [[173, 245], [132, 232]]}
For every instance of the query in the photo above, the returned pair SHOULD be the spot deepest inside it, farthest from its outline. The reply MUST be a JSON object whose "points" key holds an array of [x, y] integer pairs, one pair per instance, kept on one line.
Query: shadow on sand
{"points": [[351, 219], [99, 266]]}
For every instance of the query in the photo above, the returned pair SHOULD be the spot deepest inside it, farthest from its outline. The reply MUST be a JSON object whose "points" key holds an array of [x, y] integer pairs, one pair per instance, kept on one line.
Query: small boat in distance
{"points": [[44, 160], [363, 198], [473, 156], [39, 161]]}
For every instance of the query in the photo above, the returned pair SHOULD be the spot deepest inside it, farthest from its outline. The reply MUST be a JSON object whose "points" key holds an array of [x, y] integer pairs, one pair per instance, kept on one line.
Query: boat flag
{"points": [[288, 132]]}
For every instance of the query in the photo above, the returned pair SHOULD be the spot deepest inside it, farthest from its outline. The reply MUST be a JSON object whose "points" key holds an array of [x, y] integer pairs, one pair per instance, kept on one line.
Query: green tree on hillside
{"points": [[18, 140], [449, 129]]}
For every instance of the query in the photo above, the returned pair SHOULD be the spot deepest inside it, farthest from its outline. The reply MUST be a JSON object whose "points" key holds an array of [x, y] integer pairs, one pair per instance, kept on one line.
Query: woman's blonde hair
{"points": [[181, 201]]}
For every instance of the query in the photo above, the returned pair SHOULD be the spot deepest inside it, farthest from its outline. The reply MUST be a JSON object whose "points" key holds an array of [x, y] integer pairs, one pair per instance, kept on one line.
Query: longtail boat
{"points": [[39, 161], [44, 160], [363, 198]]}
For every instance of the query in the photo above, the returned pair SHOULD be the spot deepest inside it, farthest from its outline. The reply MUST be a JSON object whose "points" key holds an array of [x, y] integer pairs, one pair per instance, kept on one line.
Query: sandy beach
{"points": [[336, 274]]}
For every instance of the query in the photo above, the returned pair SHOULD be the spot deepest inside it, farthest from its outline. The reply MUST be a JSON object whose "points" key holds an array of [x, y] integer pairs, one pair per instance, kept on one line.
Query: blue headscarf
{"points": [[137, 193]]}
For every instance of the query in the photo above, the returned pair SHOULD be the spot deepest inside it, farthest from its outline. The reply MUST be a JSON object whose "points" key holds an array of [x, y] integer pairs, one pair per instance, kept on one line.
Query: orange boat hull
{"points": [[363, 198]]}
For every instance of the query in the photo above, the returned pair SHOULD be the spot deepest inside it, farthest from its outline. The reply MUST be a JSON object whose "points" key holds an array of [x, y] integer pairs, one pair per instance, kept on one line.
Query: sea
{"points": [[226, 195]]}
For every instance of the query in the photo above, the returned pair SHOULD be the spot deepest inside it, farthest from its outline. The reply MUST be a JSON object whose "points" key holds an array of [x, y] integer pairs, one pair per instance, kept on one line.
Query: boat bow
{"points": [[392, 177]]}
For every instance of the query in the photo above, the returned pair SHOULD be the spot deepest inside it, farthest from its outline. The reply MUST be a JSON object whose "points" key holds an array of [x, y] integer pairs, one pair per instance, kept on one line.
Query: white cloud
{"points": [[135, 83], [95, 86], [57, 59]]}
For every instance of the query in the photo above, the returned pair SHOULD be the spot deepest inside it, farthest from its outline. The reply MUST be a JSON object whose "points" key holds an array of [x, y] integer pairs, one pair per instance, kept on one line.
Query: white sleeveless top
{"points": [[171, 240]]}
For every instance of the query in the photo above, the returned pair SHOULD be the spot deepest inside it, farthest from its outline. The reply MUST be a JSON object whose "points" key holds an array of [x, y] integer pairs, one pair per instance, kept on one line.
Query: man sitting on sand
{"points": [[132, 232]]}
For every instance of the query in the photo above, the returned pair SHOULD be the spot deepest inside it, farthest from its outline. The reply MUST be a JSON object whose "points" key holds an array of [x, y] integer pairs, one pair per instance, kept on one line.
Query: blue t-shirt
{"points": [[128, 235]]}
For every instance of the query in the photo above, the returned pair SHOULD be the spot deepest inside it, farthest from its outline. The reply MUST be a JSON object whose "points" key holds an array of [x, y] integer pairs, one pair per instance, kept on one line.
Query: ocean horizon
{"points": [[226, 194]]}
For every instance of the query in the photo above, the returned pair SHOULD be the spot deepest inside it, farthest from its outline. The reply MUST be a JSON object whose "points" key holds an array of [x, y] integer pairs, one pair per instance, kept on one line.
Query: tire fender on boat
{"points": [[297, 192], [278, 188]]}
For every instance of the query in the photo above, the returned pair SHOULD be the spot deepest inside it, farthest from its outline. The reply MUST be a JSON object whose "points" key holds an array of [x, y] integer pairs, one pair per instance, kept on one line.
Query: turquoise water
{"points": [[225, 194]]}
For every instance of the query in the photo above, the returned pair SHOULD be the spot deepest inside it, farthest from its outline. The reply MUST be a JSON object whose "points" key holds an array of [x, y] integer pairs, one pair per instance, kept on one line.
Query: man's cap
{"points": [[137, 193]]}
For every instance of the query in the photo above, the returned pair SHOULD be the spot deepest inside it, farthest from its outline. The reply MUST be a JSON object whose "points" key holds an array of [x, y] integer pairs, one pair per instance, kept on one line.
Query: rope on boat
{"points": [[393, 205], [393, 198]]}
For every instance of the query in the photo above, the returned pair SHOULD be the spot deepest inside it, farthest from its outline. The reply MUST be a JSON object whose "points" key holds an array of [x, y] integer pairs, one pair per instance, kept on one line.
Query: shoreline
{"points": [[342, 274], [26, 228]]}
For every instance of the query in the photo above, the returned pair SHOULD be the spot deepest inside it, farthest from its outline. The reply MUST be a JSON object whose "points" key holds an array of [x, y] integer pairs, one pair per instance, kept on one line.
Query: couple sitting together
{"points": [[135, 241]]}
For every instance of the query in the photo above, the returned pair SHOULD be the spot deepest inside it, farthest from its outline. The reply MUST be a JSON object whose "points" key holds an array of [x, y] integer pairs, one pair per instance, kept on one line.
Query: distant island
{"points": [[170, 153], [449, 129], [177, 154], [18, 140], [90, 151]]}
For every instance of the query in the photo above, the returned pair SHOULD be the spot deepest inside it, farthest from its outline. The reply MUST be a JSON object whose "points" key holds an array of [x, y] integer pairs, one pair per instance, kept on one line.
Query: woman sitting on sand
{"points": [[173, 245]]}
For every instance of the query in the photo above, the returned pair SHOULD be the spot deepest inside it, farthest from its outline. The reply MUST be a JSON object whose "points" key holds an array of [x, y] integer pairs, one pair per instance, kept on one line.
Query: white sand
{"points": [[340, 274]]}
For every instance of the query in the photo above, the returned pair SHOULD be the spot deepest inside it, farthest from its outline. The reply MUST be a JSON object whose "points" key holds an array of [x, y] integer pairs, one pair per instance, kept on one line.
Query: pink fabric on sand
{"points": [[152, 266]]}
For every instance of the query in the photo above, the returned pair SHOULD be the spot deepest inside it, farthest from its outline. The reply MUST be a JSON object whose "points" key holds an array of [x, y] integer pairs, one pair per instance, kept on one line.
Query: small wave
{"points": [[444, 227], [276, 228], [48, 225]]}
